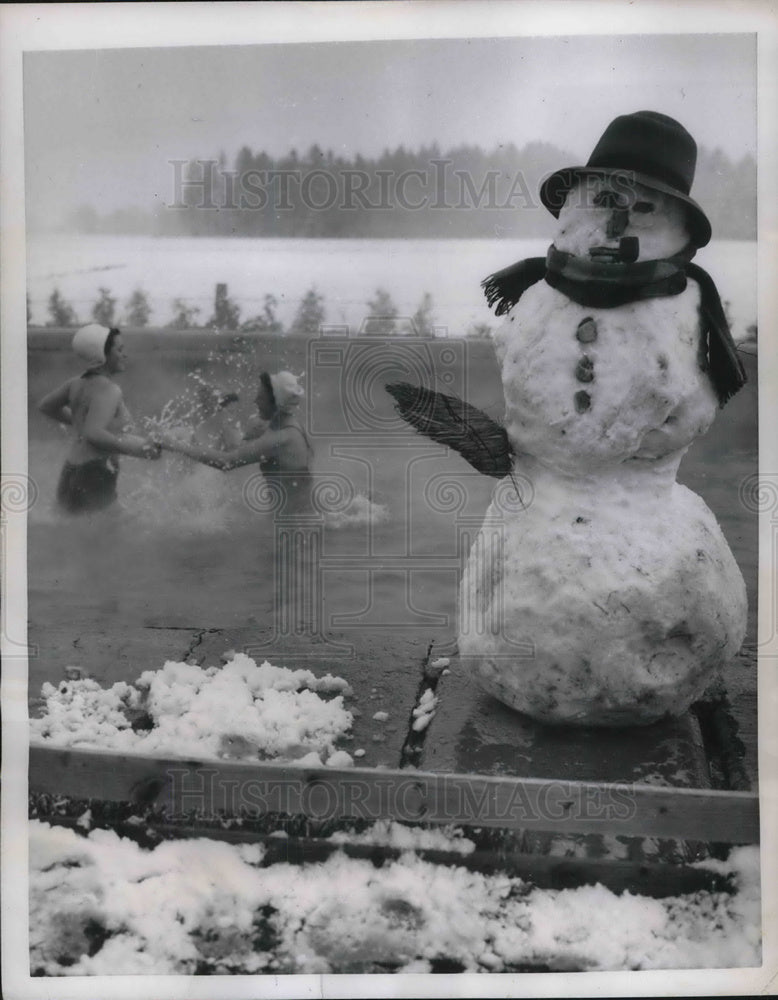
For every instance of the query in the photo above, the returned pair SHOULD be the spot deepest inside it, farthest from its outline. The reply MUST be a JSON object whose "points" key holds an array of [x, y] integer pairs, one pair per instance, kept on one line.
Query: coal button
{"points": [[584, 370], [587, 331], [582, 401]]}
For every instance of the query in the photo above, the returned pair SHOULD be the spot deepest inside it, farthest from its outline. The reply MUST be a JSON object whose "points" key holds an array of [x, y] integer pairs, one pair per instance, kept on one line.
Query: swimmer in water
{"points": [[92, 404], [278, 444]]}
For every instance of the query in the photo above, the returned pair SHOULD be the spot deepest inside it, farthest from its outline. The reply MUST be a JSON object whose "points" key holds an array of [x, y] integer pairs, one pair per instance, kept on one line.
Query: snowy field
{"points": [[345, 272]]}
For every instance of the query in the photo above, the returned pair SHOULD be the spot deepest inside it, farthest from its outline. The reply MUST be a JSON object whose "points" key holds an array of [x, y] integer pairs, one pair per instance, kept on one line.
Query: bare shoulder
{"points": [[294, 442], [292, 432], [288, 433], [59, 397], [102, 387], [96, 392]]}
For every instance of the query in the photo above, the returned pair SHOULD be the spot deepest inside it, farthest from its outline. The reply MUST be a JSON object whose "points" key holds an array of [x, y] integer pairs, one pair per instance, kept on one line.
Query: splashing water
{"points": [[176, 492], [179, 496], [361, 511], [202, 400], [205, 499]]}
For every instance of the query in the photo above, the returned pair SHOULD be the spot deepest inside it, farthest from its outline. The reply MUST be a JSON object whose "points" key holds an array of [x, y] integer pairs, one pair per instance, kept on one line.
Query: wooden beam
{"points": [[211, 788]]}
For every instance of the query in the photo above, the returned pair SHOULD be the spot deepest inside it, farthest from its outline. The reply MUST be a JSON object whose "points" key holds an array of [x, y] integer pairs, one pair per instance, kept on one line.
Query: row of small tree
{"points": [[62, 313], [383, 315]]}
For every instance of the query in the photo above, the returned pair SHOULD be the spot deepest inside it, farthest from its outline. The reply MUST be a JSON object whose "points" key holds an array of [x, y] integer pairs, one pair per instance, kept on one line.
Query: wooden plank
{"points": [[211, 788], [544, 872]]}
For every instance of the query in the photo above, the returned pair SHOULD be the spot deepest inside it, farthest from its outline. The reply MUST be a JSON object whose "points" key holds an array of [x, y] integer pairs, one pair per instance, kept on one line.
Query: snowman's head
{"points": [[613, 218], [643, 161]]}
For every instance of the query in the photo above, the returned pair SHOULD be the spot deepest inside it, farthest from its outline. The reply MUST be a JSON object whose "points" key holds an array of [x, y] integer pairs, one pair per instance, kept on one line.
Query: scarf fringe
{"points": [[505, 288]]}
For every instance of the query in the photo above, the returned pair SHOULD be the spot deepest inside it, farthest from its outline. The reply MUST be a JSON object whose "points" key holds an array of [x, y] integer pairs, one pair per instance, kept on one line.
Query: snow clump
{"points": [[235, 710]]}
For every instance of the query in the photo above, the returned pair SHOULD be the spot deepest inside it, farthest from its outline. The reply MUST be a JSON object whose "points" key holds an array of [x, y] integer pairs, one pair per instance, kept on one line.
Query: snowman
{"points": [[606, 594]]}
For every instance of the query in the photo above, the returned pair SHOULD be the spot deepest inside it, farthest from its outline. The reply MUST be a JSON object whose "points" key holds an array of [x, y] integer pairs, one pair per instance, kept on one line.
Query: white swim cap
{"points": [[89, 343], [287, 390]]}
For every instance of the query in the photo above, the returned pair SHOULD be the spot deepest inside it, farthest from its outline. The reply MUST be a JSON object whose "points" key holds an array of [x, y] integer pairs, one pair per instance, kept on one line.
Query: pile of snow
{"points": [[102, 906], [361, 510], [340, 758], [424, 710], [236, 710], [390, 833]]}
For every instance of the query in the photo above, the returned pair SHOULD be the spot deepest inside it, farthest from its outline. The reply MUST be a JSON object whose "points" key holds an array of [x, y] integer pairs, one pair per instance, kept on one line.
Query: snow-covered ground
{"points": [[100, 905]]}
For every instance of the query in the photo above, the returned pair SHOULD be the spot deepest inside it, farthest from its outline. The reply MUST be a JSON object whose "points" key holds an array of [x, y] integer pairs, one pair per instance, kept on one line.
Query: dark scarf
{"points": [[606, 285]]}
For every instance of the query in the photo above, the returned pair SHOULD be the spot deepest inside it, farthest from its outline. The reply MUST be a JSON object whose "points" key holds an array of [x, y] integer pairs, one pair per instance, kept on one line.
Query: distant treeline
{"points": [[463, 192]]}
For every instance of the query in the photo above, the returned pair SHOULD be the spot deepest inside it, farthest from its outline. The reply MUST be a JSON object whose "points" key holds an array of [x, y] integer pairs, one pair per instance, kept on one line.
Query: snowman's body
{"points": [[610, 597], [645, 397]]}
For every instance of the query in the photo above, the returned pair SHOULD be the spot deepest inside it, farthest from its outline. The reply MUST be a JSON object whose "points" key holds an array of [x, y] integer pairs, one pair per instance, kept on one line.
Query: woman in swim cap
{"points": [[93, 405], [280, 445]]}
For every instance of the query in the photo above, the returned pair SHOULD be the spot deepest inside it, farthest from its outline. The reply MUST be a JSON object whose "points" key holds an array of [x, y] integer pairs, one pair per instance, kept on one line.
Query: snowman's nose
{"points": [[617, 222]]}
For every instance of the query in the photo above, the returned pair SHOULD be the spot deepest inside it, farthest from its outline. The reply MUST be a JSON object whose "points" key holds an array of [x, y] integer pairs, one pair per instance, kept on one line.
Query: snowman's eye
{"points": [[643, 207]]}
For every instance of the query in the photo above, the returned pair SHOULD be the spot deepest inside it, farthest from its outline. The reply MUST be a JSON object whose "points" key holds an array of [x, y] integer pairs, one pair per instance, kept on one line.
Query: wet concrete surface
{"points": [[106, 655], [473, 731]]}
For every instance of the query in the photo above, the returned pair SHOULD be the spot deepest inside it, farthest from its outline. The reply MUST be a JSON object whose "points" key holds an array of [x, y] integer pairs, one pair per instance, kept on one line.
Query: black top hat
{"points": [[649, 148]]}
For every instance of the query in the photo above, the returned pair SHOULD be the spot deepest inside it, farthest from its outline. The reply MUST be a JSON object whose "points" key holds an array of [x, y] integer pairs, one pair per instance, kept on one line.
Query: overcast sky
{"points": [[101, 126]]}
